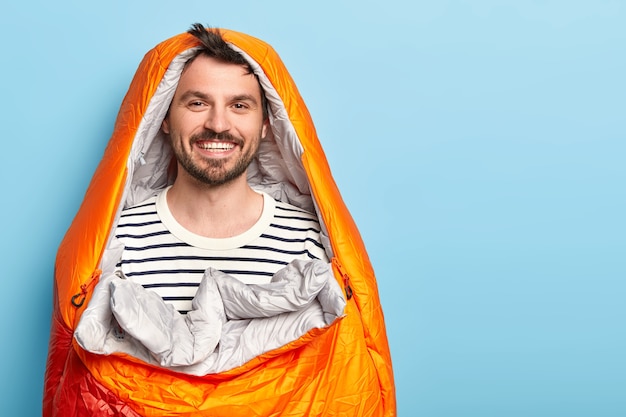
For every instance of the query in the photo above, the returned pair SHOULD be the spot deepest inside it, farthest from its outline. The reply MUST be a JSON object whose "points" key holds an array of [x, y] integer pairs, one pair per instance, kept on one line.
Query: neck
{"points": [[215, 211]]}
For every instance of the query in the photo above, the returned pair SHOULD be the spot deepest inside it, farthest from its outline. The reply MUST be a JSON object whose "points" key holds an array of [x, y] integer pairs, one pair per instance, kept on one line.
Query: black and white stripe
{"points": [[173, 268]]}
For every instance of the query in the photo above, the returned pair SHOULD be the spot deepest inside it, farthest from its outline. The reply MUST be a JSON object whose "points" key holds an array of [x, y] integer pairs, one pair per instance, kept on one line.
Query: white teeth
{"points": [[216, 146]]}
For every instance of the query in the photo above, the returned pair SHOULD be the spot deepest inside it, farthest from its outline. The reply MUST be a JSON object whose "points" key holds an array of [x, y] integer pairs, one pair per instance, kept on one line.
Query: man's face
{"points": [[215, 121]]}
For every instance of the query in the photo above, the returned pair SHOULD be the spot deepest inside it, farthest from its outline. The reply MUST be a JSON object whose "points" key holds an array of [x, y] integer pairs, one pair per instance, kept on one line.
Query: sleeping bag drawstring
{"points": [[82, 294], [345, 278], [78, 299]]}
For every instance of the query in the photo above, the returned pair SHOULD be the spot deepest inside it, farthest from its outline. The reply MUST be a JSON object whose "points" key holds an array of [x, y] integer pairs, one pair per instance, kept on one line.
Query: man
{"points": [[211, 216], [213, 186]]}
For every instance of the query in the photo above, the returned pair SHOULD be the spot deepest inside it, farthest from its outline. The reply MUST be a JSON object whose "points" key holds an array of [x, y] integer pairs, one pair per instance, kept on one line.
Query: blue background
{"points": [[480, 146]]}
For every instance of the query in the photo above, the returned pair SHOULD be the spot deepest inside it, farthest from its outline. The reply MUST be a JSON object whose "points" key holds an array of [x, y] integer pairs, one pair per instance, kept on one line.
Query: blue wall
{"points": [[480, 147]]}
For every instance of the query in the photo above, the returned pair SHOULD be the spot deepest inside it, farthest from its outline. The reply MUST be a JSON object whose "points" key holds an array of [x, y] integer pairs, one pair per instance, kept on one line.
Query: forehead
{"points": [[209, 74]]}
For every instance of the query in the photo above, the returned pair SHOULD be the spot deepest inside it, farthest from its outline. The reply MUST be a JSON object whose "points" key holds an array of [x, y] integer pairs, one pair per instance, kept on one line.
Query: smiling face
{"points": [[215, 121]]}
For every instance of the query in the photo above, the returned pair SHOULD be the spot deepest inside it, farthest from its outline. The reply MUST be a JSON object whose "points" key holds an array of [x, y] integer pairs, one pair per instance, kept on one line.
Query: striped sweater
{"points": [[166, 258]]}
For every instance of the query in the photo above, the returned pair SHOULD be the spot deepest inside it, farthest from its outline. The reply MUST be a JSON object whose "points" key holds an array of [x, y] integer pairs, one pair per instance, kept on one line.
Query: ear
{"points": [[266, 126], [165, 126]]}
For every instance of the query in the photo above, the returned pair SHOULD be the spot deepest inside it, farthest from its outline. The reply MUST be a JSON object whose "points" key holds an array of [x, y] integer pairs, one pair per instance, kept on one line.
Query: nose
{"points": [[217, 120]]}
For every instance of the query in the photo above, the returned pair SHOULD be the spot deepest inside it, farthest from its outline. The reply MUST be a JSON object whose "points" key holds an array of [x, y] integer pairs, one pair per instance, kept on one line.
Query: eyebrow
{"points": [[193, 94], [245, 97]]}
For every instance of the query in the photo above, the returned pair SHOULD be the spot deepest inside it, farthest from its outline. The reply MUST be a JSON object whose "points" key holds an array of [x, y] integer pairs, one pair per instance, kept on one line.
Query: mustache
{"points": [[209, 134]]}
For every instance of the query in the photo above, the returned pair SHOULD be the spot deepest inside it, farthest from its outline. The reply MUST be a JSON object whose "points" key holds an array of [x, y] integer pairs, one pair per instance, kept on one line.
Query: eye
{"points": [[196, 105], [240, 107]]}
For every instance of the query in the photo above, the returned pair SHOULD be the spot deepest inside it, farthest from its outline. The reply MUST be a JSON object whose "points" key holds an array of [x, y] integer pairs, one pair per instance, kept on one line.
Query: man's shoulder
{"points": [[290, 217], [287, 209], [142, 206]]}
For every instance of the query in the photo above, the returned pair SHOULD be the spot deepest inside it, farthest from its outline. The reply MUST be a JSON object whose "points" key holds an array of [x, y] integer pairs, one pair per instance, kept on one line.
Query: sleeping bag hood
{"points": [[337, 363]]}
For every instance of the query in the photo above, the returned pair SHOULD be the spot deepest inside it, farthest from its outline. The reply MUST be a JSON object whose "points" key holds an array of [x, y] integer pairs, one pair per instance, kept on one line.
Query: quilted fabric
{"points": [[230, 322]]}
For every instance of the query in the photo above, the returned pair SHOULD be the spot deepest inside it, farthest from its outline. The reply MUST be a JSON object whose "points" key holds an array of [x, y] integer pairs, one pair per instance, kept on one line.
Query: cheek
{"points": [[182, 122]]}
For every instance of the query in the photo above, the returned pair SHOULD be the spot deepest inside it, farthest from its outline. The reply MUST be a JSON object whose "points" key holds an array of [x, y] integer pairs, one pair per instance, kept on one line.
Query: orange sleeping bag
{"points": [[343, 369]]}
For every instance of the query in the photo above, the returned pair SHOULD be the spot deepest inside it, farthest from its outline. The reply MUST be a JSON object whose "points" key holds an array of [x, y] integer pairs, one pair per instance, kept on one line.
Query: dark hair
{"points": [[213, 45]]}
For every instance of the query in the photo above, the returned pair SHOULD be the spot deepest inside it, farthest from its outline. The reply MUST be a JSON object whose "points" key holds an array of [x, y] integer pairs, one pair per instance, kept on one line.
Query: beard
{"points": [[214, 171]]}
